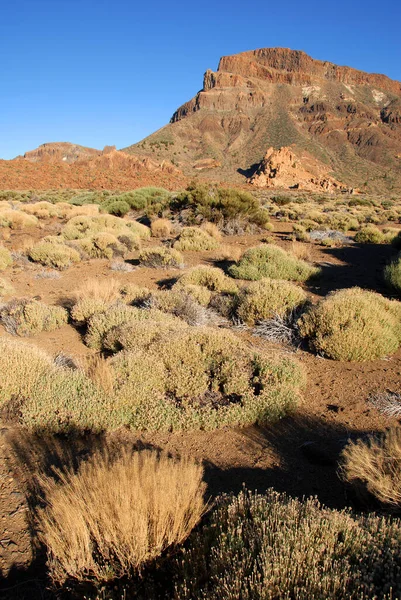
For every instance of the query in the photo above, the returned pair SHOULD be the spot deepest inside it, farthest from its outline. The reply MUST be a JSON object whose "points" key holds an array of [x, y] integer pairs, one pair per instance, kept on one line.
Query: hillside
{"points": [[348, 120]]}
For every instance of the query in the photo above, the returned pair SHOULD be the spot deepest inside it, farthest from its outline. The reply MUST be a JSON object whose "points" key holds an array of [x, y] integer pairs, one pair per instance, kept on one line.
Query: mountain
{"points": [[347, 121], [65, 165]]}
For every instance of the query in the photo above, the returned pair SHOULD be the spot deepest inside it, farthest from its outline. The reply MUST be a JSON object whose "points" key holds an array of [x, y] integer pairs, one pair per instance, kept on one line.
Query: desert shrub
{"points": [[86, 226], [161, 228], [15, 219], [51, 254], [267, 297], [6, 289], [273, 262], [149, 200], [376, 463], [116, 514], [198, 292], [101, 245], [300, 233], [272, 547], [354, 325], [161, 257], [141, 335], [196, 240], [5, 258], [116, 207], [370, 235], [41, 210], [134, 294], [118, 314], [25, 317], [220, 205], [212, 278], [392, 274], [130, 239], [185, 304]]}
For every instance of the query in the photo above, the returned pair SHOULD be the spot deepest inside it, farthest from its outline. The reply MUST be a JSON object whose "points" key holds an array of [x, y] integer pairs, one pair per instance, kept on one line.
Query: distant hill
{"points": [[348, 121]]}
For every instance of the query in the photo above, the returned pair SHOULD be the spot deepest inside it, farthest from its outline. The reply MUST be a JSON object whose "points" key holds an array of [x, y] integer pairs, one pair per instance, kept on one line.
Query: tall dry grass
{"points": [[115, 515], [106, 289], [376, 462]]}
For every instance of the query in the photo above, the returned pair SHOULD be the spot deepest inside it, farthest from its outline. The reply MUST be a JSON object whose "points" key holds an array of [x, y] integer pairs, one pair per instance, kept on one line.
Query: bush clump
{"points": [[272, 547], [212, 278], [5, 258], [370, 235], [53, 254], [392, 275], [25, 317], [376, 463], [116, 514], [353, 325], [161, 258], [161, 228], [273, 262], [266, 298], [220, 205], [195, 240]]}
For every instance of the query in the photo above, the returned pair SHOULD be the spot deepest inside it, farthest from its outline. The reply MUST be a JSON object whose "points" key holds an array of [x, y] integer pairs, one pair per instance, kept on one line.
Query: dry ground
{"points": [[298, 455]]}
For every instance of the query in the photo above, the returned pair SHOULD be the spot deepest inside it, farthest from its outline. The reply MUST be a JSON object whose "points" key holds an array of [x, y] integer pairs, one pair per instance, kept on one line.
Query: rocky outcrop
{"points": [[284, 169], [55, 152], [276, 97]]}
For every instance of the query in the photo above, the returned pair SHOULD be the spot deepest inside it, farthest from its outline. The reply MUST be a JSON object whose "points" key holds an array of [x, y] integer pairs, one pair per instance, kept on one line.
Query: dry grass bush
{"points": [[376, 463], [212, 278], [52, 254], [6, 289], [301, 251], [370, 235], [198, 292], [25, 317], [268, 297], [301, 234], [212, 230], [274, 262], [161, 258], [117, 514], [228, 253], [98, 370], [392, 274], [195, 240], [15, 219], [353, 325], [161, 228], [94, 296], [272, 547], [134, 294], [5, 258]]}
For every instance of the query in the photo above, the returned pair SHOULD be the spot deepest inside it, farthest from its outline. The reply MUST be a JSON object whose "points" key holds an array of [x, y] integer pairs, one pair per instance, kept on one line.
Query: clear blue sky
{"points": [[99, 72]]}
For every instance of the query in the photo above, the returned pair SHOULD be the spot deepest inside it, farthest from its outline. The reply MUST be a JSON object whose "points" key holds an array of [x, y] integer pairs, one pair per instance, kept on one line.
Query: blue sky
{"points": [[99, 72]]}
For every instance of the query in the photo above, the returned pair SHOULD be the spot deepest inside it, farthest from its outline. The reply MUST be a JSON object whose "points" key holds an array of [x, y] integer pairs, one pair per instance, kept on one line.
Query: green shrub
{"points": [[273, 262], [150, 200], [268, 297], [196, 240], [392, 274], [51, 254], [212, 278], [116, 207], [27, 317], [220, 205], [370, 235], [354, 325], [86, 226], [161, 258], [5, 258], [272, 547]]}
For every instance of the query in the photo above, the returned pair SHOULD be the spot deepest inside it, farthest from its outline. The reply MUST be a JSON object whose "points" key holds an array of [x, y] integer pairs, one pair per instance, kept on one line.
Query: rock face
{"points": [[275, 97], [284, 169]]}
